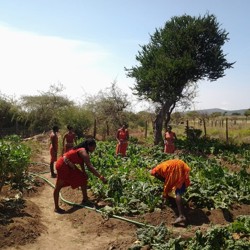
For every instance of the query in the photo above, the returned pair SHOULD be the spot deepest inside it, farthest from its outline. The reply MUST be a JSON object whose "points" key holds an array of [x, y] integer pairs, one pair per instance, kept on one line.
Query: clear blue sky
{"points": [[85, 45]]}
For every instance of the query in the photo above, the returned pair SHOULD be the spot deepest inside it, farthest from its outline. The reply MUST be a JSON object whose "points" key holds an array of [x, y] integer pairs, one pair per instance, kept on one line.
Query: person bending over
{"points": [[175, 175], [69, 175]]}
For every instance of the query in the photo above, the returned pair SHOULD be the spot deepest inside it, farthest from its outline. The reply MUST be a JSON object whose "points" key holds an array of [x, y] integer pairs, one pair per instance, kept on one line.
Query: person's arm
{"points": [[75, 139], [117, 136], [175, 137], [165, 138], [162, 179], [63, 144], [127, 135], [69, 163], [84, 155], [64, 139]]}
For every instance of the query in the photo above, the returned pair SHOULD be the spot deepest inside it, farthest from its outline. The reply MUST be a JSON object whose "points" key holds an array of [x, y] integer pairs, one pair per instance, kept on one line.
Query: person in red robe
{"points": [[169, 140], [53, 149], [122, 137], [69, 139], [175, 175], [68, 174]]}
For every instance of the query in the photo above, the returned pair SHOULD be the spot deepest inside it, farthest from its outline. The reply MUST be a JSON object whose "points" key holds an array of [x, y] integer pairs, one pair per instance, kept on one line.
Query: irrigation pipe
{"points": [[81, 205]]}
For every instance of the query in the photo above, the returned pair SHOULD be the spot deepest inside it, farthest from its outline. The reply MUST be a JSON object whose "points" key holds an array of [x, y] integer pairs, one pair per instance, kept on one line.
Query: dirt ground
{"points": [[33, 224]]}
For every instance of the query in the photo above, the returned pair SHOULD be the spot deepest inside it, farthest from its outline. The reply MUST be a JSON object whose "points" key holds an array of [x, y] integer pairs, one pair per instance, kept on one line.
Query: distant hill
{"points": [[222, 111]]}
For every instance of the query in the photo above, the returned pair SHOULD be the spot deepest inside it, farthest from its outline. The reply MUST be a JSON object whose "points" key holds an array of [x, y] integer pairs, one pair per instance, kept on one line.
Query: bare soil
{"points": [[33, 224]]}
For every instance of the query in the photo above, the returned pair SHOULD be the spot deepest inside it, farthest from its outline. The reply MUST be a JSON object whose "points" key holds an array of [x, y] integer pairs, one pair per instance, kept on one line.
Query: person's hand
{"points": [[103, 179], [163, 201], [68, 162]]}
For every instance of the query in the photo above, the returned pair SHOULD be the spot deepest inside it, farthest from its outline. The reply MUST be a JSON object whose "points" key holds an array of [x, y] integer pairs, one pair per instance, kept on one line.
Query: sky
{"points": [[85, 46]]}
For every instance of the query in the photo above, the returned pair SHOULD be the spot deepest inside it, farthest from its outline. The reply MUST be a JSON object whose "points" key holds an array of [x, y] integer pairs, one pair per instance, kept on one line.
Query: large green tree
{"points": [[187, 49]]}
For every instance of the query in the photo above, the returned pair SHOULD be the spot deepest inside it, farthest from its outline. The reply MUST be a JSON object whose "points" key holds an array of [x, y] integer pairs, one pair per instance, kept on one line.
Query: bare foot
{"points": [[59, 211], [180, 219], [53, 175], [87, 202]]}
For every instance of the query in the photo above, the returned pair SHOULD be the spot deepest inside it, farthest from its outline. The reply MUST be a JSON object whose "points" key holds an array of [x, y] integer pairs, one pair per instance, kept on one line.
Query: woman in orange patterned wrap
{"points": [[175, 175], [122, 138]]}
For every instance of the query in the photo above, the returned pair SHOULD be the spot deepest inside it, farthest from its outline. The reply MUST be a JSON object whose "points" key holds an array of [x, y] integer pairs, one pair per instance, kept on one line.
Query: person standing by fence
{"points": [[169, 141], [122, 137]]}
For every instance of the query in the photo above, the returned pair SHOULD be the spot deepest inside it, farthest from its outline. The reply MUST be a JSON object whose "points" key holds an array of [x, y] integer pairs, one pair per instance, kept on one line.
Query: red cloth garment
{"points": [[176, 173], [121, 147], [72, 177], [69, 141], [53, 146], [169, 142]]}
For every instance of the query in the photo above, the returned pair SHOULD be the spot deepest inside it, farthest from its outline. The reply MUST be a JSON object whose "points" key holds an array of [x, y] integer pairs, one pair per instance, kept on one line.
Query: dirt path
{"points": [[77, 229], [59, 232]]}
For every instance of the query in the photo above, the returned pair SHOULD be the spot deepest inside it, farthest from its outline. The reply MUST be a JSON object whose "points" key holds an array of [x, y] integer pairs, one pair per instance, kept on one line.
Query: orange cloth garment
{"points": [[121, 148], [176, 173], [169, 142], [72, 177]]}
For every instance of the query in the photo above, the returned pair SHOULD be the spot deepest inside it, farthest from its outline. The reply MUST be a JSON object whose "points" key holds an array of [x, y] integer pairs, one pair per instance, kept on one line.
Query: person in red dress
{"points": [[69, 139], [53, 149], [68, 174], [122, 137], [169, 140]]}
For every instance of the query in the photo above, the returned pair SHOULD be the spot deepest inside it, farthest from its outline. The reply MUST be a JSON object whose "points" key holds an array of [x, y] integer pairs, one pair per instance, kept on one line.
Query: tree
{"points": [[11, 115], [43, 111], [79, 118], [193, 115], [187, 49], [108, 109], [247, 113], [177, 117]]}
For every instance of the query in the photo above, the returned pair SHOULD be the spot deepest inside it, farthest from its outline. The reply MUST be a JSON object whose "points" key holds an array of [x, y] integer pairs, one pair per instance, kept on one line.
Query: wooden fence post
{"points": [[146, 129], [227, 130], [94, 134]]}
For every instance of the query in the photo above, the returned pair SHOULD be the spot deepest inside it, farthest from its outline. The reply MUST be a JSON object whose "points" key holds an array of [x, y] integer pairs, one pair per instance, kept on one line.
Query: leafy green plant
{"points": [[14, 161]]}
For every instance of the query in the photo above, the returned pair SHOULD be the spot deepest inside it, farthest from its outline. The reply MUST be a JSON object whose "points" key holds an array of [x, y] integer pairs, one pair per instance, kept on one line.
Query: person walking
{"points": [[169, 140], [53, 149], [68, 174], [122, 137], [175, 175]]}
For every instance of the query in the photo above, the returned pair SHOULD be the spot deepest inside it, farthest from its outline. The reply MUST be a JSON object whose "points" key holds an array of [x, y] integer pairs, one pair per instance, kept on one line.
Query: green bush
{"points": [[14, 161]]}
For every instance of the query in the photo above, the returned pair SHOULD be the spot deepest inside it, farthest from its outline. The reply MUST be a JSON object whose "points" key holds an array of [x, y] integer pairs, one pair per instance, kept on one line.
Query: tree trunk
{"points": [[163, 113], [158, 128]]}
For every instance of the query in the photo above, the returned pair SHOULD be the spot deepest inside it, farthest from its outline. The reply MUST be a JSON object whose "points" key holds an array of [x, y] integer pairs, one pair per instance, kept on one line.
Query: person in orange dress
{"points": [[69, 139], [53, 149], [175, 175], [122, 137], [169, 140], [68, 174]]}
